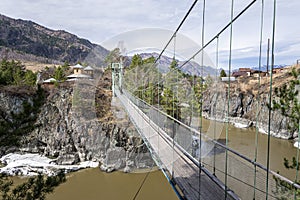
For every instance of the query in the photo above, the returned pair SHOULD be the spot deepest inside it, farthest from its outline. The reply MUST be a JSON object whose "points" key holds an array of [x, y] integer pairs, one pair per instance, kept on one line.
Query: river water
{"points": [[93, 184], [243, 141]]}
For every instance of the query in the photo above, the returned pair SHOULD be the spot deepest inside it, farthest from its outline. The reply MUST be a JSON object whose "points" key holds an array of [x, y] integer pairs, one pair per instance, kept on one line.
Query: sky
{"points": [[102, 22]]}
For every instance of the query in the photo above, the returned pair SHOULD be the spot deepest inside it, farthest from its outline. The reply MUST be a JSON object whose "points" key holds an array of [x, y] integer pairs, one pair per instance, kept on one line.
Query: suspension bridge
{"points": [[198, 165], [171, 144], [176, 162]]}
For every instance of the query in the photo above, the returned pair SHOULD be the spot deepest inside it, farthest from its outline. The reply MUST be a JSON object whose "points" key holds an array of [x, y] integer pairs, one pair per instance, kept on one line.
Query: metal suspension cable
{"points": [[158, 107], [174, 128], [297, 161], [215, 118], [179, 26], [201, 95], [143, 182], [216, 36], [228, 103], [192, 110], [143, 89], [242, 181], [269, 119], [173, 35], [219, 33], [270, 97], [177, 103], [258, 93]]}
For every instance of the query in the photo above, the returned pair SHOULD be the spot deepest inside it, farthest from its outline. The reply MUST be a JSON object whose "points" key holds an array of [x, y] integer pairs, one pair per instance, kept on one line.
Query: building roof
{"points": [[88, 68], [78, 66], [244, 69], [226, 79], [256, 71], [72, 79], [239, 73], [50, 80], [79, 76]]}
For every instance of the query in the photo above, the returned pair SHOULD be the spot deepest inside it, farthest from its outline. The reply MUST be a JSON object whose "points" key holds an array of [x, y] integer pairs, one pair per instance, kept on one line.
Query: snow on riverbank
{"points": [[297, 144], [32, 164], [240, 125]]}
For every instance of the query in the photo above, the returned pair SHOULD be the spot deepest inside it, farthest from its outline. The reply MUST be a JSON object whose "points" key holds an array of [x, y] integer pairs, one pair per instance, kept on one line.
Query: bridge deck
{"points": [[185, 173]]}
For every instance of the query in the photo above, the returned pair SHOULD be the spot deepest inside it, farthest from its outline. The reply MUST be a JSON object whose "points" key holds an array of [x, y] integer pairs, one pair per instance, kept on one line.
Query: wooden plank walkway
{"points": [[184, 171]]}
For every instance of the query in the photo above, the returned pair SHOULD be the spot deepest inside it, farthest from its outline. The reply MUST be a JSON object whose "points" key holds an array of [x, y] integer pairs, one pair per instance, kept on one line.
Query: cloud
{"points": [[99, 20]]}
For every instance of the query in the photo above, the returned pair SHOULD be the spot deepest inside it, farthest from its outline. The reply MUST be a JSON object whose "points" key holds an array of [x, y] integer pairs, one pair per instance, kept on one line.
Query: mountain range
{"points": [[26, 40], [191, 67], [264, 67]]}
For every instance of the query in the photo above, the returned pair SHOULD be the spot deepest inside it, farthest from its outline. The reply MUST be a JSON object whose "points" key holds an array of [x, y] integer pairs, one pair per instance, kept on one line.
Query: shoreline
{"points": [[245, 123], [31, 164]]}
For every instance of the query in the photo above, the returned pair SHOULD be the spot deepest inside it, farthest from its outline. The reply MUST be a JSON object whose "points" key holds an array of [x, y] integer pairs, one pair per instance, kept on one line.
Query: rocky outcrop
{"points": [[69, 130], [12, 99], [244, 109]]}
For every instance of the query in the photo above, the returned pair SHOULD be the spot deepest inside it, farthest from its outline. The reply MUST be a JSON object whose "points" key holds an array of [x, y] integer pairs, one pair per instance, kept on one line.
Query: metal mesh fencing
{"points": [[240, 170]]}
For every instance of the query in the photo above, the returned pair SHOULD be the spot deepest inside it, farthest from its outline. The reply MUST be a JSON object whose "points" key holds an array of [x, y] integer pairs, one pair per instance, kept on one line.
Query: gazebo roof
{"points": [[78, 66], [88, 68], [79, 76], [50, 80]]}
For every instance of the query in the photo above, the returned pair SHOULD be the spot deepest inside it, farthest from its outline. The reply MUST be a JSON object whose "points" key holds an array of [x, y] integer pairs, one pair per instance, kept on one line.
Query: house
{"points": [[257, 73], [79, 72], [239, 74], [242, 72], [278, 70], [242, 69], [49, 83], [226, 79], [89, 70], [245, 70]]}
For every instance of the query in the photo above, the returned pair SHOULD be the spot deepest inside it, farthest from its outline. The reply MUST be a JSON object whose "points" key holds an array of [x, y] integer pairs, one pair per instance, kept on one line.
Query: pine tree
{"points": [[30, 78], [287, 102], [35, 188], [223, 73], [136, 61]]}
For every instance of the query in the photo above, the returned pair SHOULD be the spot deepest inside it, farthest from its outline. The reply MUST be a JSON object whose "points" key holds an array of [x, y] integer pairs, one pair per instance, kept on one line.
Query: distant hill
{"points": [[264, 67], [190, 68], [26, 40]]}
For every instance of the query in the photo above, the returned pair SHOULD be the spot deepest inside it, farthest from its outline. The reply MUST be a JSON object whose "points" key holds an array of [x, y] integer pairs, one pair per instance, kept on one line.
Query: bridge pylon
{"points": [[116, 73]]}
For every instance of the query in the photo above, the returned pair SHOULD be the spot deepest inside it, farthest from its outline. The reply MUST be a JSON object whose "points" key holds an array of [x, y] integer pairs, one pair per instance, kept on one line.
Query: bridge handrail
{"points": [[170, 141], [292, 183]]}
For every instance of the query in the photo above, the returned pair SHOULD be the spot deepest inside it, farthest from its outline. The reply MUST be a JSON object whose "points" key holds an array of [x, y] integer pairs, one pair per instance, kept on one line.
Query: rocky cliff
{"points": [[71, 127], [246, 107]]}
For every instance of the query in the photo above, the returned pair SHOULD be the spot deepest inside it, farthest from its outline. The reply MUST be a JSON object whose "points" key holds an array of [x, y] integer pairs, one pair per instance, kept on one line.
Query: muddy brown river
{"points": [[243, 141], [92, 184]]}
